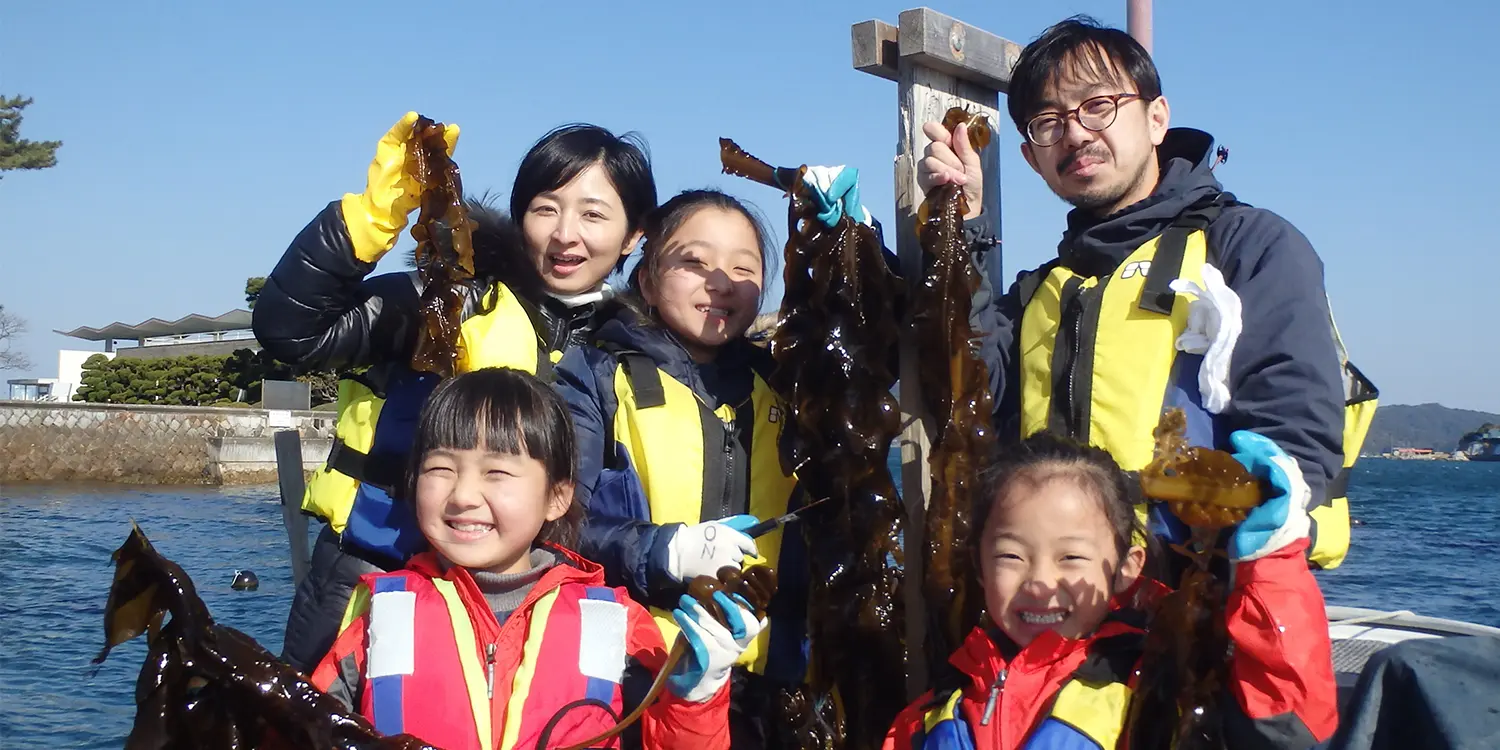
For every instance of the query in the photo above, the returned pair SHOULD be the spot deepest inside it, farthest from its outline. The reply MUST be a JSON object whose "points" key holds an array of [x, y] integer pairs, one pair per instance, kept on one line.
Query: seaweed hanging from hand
{"points": [[834, 348], [445, 250], [1184, 672], [955, 387]]}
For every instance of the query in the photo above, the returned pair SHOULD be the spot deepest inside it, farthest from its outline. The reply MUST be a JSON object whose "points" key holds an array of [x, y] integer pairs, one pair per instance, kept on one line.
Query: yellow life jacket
{"points": [[502, 336], [670, 436], [1098, 353]]}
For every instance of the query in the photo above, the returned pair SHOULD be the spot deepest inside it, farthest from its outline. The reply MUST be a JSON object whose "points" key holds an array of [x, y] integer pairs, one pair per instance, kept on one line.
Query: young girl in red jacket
{"points": [[1053, 663], [499, 636]]}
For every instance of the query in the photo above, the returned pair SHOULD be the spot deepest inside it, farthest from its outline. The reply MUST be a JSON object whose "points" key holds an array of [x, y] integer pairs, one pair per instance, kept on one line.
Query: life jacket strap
{"points": [[1157, 295], [356, 464], [544, 371], [1361, 388], [645, 378], [1029, 281], [373, 378]]}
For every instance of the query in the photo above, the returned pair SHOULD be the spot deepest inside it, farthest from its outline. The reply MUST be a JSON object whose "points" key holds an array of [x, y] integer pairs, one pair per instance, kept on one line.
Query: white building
{"points": [[190, 334], [61, 388]]}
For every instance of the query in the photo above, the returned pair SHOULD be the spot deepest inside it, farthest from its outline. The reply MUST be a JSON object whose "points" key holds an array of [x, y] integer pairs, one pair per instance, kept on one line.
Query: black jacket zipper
{"points": [[731, 438], [1073, 321]]}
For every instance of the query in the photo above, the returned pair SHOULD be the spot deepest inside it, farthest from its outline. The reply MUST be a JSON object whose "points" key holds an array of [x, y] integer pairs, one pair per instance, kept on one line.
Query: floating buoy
{"points": [[245, 580], [1356, 522]]}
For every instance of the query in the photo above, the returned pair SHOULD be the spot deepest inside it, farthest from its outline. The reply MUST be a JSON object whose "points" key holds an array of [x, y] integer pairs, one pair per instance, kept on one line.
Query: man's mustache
{"points": [[1095, 151]]}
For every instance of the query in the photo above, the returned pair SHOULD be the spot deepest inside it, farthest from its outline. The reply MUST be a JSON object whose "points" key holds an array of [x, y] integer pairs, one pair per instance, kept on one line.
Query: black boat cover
{"points": [[1426, 694]]}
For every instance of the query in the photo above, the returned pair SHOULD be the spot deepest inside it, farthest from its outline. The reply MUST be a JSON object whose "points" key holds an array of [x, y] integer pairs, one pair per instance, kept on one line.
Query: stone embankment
{"points": [[62, 442]]}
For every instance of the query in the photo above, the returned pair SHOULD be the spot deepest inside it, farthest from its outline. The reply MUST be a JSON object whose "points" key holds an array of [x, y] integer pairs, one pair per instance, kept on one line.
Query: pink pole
{"points": [[1138, 21]]}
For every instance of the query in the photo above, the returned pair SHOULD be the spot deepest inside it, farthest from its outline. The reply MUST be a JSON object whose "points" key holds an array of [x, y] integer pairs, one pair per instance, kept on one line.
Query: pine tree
{"points": [[15, 151]]}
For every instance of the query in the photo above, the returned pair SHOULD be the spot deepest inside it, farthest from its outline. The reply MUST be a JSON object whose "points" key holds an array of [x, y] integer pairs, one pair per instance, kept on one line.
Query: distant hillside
{"points": [[1424, 426]]}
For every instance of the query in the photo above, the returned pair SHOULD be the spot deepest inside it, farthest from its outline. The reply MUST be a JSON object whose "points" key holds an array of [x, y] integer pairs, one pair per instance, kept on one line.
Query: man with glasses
{"points": [[1165, 292]]}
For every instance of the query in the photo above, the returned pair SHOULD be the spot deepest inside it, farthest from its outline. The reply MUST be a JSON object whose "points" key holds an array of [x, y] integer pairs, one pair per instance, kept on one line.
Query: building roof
{"points": [[234, 320]]}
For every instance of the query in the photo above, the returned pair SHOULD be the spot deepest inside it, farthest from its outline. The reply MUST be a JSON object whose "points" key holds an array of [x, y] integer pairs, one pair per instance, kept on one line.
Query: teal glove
{"points": [[702, 548], [713, 648], [1282, 518], [836, 191]]}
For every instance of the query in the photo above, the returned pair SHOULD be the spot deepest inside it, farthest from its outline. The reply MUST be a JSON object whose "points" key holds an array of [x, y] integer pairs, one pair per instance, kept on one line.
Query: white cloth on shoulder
{"points": [[1213, 328]]}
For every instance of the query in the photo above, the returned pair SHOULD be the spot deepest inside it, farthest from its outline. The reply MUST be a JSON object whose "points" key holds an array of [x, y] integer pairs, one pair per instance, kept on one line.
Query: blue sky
{"points": [[200, 137]]}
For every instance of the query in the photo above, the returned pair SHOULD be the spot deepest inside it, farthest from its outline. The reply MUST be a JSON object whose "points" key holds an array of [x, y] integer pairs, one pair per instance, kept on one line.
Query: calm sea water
{"points": [[1427, 544]]}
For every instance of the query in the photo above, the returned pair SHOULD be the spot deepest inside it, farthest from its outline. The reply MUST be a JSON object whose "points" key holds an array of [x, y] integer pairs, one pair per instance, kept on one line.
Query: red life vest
{"points": [[440, 666]]}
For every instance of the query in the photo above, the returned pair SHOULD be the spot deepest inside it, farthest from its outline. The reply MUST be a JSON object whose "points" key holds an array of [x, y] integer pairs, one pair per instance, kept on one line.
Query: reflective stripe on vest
{"points": [[1071, 324], [502, 337], [393, 652], [576, 645], [663, 437]]}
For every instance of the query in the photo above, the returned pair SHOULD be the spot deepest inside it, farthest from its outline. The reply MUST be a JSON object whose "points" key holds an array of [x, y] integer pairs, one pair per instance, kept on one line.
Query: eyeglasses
{"points": [[1094, 114]]}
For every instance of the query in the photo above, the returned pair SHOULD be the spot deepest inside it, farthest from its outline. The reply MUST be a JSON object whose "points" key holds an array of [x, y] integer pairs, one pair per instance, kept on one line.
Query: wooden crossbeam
{"points": [[876, 48], [933, 40]]}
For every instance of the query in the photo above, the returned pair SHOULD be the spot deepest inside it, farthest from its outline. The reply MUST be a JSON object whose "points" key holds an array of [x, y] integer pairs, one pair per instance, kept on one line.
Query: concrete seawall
{"points": [[56, 442]]}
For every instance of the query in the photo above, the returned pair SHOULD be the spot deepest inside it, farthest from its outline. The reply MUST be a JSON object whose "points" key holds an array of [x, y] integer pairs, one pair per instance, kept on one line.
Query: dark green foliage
{"points": [[167, 381], [17, 152], [193, 380], [324, 385], [253, 285]]}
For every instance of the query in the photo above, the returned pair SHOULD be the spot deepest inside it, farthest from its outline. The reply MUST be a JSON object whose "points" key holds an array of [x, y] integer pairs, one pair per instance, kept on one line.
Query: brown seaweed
{"points": [[955, 388], [1184, 674], [1204, 488], [205, 685], [756, 584], [834, 348], [445, 250]]}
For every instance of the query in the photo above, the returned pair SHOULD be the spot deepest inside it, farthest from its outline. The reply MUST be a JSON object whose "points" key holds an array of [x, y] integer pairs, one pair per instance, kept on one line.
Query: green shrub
{"points": [[192, 380]]}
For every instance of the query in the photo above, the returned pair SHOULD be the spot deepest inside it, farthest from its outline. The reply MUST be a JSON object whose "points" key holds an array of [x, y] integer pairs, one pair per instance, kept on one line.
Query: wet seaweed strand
{"points": [[955, 388], [445, 250], [205, 685], [1184, 673], [1204, 488], [834, 348]]}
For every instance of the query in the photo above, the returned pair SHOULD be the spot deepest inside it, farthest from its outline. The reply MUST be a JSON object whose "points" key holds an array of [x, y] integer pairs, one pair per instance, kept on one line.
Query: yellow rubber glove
{"points": [[376, 217]]}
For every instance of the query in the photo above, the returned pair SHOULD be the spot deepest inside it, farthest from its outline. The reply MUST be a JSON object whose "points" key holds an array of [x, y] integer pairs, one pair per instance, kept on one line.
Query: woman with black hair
{"points": [[577, 207]]}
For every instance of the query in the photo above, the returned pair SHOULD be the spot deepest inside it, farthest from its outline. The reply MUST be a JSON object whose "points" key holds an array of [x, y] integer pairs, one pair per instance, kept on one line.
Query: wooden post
{"points": [[937, 63], [281, 398], [289, 481], [1138, 21]]}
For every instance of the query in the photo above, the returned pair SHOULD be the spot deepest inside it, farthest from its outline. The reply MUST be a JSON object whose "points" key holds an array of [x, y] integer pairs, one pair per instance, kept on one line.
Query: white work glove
{"points": [[702, 548], [713, 649]]}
